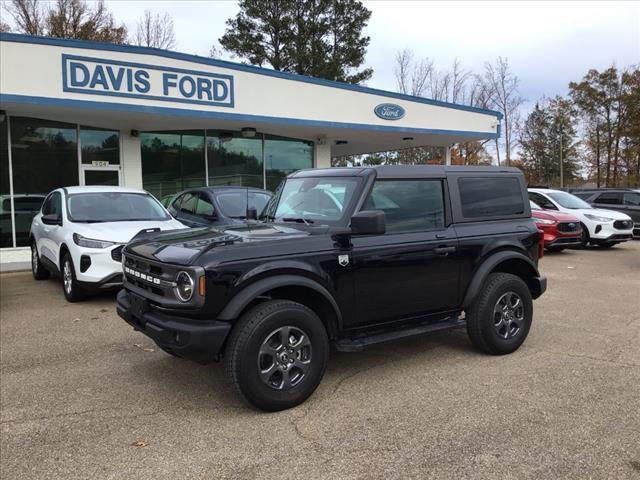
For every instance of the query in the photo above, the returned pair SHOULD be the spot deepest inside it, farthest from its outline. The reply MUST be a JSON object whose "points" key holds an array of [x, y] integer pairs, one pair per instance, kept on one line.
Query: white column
{"points": [[322, 155], [447, 156], [130, 160]]}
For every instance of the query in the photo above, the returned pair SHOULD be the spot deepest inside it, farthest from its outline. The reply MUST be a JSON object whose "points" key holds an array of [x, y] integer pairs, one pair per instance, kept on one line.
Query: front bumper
{"points": [[197, 340], [97, 268], [605, 232]]}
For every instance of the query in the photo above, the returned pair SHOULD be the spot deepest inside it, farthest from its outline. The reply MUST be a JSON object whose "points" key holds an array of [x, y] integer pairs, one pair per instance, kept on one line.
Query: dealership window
{"points": [[6, 230], [44, 156], [234, 160], [408, 205], [172, 161], [491, 197], [99, 146], [284, 156]]}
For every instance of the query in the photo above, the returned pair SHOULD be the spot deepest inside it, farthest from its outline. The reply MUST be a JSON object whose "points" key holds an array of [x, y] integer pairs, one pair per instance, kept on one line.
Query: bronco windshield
{"points": [[323, 200], [98, 207]]}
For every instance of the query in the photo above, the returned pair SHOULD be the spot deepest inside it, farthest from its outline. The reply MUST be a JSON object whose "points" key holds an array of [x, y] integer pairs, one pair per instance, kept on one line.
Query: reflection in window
{"points": [[172, 161], [99, 145], [234, 161], [6, 237], [44, 157], [408, 205], [284, 156]]}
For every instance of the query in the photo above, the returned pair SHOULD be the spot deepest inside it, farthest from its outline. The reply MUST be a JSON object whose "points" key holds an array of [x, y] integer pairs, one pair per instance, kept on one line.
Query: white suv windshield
{"points": [[567, 200], [322, 199], [113, 207]]}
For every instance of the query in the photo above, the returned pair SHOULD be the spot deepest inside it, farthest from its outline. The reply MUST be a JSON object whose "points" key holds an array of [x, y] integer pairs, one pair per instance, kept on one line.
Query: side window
{"points": [[609, 198], [631, 198], [541, 200], [205, 206], [409, 205], [188, 203], [175, 204], [490, 197], [582, 196], [53, 205], [47, 209]]}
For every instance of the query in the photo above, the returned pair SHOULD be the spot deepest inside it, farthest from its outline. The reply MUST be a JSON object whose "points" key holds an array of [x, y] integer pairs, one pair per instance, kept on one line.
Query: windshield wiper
{"points": [[306, 221]]}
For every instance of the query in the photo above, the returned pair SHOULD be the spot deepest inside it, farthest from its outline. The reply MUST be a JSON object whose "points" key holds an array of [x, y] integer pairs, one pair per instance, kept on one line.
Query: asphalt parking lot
{"points": [[84, 396]]}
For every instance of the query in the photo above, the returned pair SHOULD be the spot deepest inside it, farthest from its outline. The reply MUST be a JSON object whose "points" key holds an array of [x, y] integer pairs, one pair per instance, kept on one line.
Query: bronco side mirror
{"points": [[368, 222]]}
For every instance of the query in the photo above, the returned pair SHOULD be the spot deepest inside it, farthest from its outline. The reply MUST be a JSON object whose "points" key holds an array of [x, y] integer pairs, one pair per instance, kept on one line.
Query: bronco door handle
{"points": [[444, 250]]}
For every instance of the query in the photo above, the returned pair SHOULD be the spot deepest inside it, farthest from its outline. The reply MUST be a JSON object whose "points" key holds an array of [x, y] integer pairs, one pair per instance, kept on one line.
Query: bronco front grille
{"points": [[623, 224], [568, 227]]}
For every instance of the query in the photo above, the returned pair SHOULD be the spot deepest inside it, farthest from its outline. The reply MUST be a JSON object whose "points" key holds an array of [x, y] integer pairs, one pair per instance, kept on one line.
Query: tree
{"points": [[29, 16], [155, 31], [320, 38], [608, 102], [548, 135], [502, 86], [67, 19]]}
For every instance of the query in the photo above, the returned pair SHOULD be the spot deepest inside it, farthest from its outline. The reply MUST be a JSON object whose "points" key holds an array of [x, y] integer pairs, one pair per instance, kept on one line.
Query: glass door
{"points": [[103, 176]]}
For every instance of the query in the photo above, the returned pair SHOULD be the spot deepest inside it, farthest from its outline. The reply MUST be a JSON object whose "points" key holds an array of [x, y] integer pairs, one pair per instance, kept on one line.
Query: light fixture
{"points": [[3, 116], [407, 139], [135, 133], [248, 132], [341, 142]]}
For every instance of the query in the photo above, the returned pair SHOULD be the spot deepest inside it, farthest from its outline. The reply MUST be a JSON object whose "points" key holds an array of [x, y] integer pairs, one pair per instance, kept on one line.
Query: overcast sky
{"points": [[548, 44]]}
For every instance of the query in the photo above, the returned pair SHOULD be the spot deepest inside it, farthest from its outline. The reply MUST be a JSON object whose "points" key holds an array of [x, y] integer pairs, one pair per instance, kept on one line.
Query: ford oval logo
{"points": [[389, 111]]}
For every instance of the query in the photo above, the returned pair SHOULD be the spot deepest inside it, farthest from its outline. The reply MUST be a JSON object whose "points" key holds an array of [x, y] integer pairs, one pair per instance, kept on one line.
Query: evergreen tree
{"points": [[320, 38]]}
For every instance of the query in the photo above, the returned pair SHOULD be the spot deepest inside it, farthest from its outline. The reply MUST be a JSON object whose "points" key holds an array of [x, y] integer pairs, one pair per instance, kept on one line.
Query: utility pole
{"points": [[561, 174]]}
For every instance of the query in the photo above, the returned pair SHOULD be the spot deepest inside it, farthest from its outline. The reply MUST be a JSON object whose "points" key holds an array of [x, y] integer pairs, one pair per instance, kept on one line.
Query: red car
{"points": [[560, 229]]}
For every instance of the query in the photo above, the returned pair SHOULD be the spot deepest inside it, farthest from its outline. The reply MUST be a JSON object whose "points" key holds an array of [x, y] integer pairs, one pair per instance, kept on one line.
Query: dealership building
{"points": [[85, 113]]}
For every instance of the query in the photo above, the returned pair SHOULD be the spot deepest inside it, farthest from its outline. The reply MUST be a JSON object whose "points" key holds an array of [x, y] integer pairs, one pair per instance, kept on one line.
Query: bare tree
{"points": [[28, 15], [214, 52], [503, 87], [155, 31], [67, 19], [411, 76]]}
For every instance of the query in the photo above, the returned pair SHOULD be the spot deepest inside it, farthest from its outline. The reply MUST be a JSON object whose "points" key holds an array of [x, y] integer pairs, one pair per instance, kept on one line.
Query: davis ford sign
{"points": [[98, 76], [389, 111]]}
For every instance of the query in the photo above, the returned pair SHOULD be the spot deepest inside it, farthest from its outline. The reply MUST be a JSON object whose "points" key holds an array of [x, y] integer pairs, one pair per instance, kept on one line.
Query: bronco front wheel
{"points": [[277, 354]]}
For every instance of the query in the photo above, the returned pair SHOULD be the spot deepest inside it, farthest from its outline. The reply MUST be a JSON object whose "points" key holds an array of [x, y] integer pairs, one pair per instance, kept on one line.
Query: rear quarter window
{"points": [[490, 197]]}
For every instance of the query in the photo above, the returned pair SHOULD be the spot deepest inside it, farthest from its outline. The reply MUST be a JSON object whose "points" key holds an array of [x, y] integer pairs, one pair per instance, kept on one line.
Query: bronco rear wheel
{"points": [[277, 354], [500, 319]]}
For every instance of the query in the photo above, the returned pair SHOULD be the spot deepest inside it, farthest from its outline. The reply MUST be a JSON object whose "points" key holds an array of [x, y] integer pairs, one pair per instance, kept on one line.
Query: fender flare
{"points": [[483, 271], [241, 299]]}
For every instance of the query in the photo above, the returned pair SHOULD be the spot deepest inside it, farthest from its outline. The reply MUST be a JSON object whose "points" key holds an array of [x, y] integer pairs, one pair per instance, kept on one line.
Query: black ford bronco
{"points": [[348, 257]]}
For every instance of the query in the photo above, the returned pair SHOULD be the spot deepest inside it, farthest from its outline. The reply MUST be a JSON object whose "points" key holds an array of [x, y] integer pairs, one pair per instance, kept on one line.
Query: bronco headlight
{"points": [[596, 218], [90, 242], [184, 286]]}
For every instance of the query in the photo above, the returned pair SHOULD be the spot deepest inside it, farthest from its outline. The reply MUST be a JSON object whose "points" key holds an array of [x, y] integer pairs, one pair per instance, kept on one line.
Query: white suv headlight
{"points": [[596, 218], [90, 242]]}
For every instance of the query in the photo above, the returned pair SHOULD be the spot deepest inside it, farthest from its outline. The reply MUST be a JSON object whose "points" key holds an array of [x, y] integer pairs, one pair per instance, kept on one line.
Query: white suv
{"points": [[599, 226], [80, 231]]}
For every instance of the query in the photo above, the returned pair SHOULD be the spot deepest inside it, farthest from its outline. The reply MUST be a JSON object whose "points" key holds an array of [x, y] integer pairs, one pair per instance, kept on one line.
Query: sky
{"points": [[548, 44]]}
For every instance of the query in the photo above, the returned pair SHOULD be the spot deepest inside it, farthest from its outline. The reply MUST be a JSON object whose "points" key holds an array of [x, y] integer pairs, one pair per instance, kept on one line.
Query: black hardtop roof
{"points": [[402, 171], [220, 188]]}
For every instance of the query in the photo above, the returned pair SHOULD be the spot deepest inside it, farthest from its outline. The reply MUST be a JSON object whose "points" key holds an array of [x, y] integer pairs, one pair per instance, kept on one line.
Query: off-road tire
{"points": [[480, 320], [38, 270], [72, 291], [249, 334]]}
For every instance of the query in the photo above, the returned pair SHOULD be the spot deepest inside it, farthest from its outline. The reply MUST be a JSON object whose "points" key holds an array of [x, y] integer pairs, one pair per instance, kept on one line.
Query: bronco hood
{"points": [[183, 247]]}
